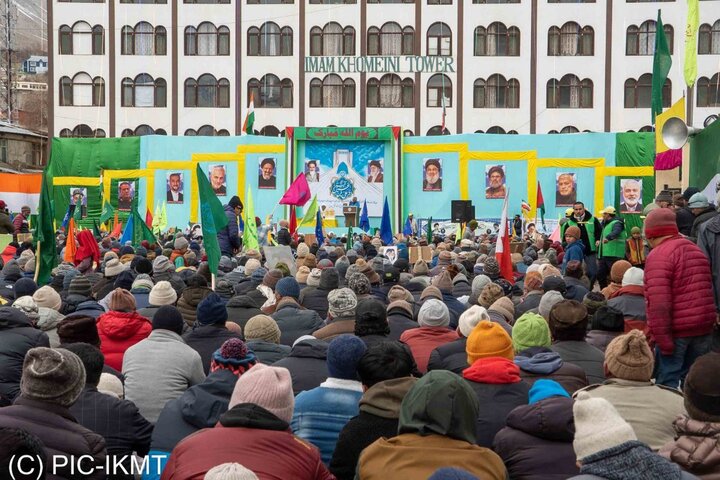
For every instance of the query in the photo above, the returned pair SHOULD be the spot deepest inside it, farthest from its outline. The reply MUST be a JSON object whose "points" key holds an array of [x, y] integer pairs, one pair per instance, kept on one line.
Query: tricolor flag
{"points": [[540, 204], [247, 128], [444, 114], [502, 248], [525, 207]]}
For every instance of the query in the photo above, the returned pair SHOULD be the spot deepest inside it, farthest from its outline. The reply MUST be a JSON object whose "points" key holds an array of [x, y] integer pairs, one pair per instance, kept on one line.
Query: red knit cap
{"points": [[660, 222]]}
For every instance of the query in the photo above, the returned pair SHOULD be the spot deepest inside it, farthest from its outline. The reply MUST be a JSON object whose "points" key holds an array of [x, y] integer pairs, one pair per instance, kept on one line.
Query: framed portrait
{"points": [[126, 194], [217, 174], [375, 171], [390, 252], [174, 186], [495, 181], [565, 189], [312, 171], [432, 175], [78, 197], [267, 173], [631, 195]]}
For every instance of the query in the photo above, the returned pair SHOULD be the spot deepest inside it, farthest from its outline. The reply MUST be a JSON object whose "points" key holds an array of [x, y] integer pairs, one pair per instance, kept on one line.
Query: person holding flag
{"points": [[502, 247], [228, 237], [590, 231]]}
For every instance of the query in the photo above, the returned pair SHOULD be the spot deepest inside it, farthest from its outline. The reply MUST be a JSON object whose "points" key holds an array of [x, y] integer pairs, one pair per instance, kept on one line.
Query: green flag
{"points": [[429, 231], [250, 234], [310, 213], [212, 218], [691, 31], [661, 67], [107, 213], [140, 230], [45, 233], [96, 230]]}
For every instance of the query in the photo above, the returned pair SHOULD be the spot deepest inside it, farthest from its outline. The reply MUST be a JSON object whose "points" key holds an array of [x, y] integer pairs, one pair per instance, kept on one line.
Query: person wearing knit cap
{"points": [[679, 297], [142, 265], [321, 413], [121, 327], [593, 301], [547, 301], [161, 294], [420, 268], [452, 356], [310, 261], [491, 268], [371, 323], [24, 287], [433, 318], [52, 381], [230, 471], [538, 436], [530, 330], [263, 337], [302, 275], [649, 409], [360, 285], [607, 324], [502, 311], [568, 321], [47, 297], [532, 293], [489, 294], [316, 298], [476, 287], [606, 446], [313, 279], [209, 331], [702, 210], [292, 319], [616, 275], [342, 303]]}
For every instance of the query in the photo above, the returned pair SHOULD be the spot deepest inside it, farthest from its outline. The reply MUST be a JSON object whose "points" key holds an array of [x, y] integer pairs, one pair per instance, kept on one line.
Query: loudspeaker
{"points": [[461, 211]]}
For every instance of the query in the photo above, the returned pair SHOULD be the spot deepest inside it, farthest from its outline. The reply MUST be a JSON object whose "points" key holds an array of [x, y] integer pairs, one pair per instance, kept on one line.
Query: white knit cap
{"points": [[109, 384], [471, 317], [548, 300], [250, 266], [162, 294], [633, 276], [433, 313], [598, 426], [230, 471]]}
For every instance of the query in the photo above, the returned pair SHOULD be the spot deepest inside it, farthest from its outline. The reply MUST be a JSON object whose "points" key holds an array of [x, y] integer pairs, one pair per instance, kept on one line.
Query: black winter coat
{"points": [[175, 280], [268, 353], [295, 321], [399, 320], [530, 302], [461, 286], [357, 434], [205, 339], [307, 364], [315, 299], [89, 308], [496, 402], [450, 356], [455, 307], [241, 309], [199, 407], [284, 237], [245, 285], [119, 422], [17, 336], [537, 444], [59, 433]]}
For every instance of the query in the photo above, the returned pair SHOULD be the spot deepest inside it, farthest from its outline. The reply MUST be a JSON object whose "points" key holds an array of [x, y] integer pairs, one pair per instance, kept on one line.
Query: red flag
{"points": [[117, 227], [148, 218], [70, 246], [502, 248], [298, 193], [293, 223]]}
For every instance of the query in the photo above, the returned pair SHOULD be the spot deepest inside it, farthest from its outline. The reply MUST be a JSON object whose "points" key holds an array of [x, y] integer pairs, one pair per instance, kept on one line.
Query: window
{"points": [[81, 39], [390, 92], [270, 2], [143, 91], [390, 39], [206, 91], [332, 2], [647, 1], [437, 130], [569, 92], [569, 129], [82, 131], [271, 92], [332, 40], [647, 128], [571, 40], [207, 40], [496, 130], [206, 131], [144, 1], [439, 91], [638, 93], [270, 131], [407, 133], [390, 1], [439, 2], [709, 39], [142, 130], [332, 92], [82, 1], [641, 40], [439, 40], [708, 91], [571, 1], [497, 41], [207, 2], [495, 1], [496, 92], [3, 150], [82, 91], [270, 40], [143, 39]]}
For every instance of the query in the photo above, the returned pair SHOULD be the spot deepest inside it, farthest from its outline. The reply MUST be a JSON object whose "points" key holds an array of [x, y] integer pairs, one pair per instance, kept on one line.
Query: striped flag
{"points": [[247, 128], [502, 248]]}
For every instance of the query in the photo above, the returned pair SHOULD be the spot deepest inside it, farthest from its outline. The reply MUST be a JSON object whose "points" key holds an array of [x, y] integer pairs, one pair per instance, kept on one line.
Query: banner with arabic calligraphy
{"points": [[344, 134]]}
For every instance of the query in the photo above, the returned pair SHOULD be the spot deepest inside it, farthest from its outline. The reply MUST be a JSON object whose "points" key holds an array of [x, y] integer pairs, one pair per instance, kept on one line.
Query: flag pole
{"points": [[212, 281]]}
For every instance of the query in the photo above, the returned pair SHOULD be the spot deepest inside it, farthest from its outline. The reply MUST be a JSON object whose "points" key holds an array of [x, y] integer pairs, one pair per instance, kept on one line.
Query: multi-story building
{"points": [[133, 67]]}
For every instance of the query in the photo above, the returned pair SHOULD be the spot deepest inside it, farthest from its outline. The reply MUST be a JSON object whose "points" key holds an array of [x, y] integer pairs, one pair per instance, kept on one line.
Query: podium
{"points": [[350, 214]]}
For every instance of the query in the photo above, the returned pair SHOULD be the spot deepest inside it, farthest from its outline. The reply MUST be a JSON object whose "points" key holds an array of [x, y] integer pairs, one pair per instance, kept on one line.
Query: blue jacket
{"points": [[321, 413], [574, 251], [228, 237]]}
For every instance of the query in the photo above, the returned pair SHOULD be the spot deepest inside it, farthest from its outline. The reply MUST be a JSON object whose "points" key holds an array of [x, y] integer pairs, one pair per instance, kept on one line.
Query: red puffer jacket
{"points": [[119, 331], [678, 292]]}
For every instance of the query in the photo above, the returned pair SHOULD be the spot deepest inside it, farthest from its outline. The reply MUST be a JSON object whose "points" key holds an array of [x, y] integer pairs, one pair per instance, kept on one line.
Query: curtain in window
{"points": [[223, 41], [480, 43], [569, 39], [207, 39], [408, 41], [66, 91], [554, 41], [270, 39], [82, 90], [492, 44], [629, 93], [632, 39], [270, 91], [493, 93], [126, 41], [587, 41], [315, 41], [644, 91], [98, 42], [715, 38], [586, 100], [391, 39], [144, 33], [287, 93], [373, 87], [207, 91], [646, 38], [127, 92], [82, 39], [390, 91], [316, 92], [373, 41], [513, 41], [190, 41], [160, 41], [479, 93], [574, 87], [348, 93], [160, 93], [190, 93], [332, 91], [286, 42], [223, 93], [513, 98], [349, 41], [408, 90], [144, 91], [98, 92], [332, 40]]}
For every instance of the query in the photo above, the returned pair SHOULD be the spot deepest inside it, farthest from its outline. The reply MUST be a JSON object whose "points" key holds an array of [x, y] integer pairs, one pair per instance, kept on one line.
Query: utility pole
{"points": [[8, 21]]}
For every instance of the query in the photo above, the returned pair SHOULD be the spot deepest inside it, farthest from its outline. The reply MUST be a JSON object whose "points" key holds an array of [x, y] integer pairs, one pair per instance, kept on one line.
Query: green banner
{"points": [[705, 156], [347, 134], [635, 150]]}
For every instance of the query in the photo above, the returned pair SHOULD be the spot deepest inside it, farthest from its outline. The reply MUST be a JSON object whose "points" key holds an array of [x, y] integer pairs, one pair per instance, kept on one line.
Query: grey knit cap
{"points": [[52, 375], [342, 302]]}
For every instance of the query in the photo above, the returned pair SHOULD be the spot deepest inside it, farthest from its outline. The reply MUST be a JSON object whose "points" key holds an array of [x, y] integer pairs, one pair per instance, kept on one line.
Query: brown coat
{"points": [[335, 328], [696, 448]]}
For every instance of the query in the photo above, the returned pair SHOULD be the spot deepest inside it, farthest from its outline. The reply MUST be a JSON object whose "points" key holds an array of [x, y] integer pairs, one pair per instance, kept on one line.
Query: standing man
{"points": [[679, 298], [709, 242], [6, 225], [611, 246], [517, 226], [174, 195], [413, 224], [283, 235], [589, 234], [20, 222], [229, 237]]}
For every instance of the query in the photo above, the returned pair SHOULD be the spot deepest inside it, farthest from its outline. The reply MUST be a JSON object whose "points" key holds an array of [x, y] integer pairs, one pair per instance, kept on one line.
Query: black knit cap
{"points": [[702, 389], [371, 318], [80, 285], [141, 265], [168, 318]]}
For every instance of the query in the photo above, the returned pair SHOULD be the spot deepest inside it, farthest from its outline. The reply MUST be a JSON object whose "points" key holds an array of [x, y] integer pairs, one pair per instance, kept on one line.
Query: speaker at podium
{"points": [[351, 216]]}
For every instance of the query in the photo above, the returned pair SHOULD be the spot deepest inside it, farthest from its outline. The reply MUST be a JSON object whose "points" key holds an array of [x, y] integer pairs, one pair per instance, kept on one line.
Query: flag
{"points": [[117, 227], [127, 235], [540, 204], [159, 221], [386, 234], [444, 114], [70, 213], [525, 208], [293, 223], [45, 232], [349, 242], [502, 247], [212, 217], [667, 158], [661, 67], [364, 220], [298, 193], [77, 214], [250, 234], [148, 217], [247, 127], [70, 247], [107, 212], [310, 212], [318, 229], [429, 231], [96, 229], [407, 229], [691, 30], [141, 231]]}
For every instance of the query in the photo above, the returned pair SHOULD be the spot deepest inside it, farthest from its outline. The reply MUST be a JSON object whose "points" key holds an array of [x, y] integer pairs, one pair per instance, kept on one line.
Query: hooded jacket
{"points": [[709, 243], [499, 389], [574, 251], [228, 238], [539, 362], [242, 308], [189, 301], [429, 438], [696, 447], [461, 286], [268, 353], [537, 443], [17, 336], [630, 300], [294, 321], [451, 356], [119, 331], [423, 340], [378, 417], [83, 307], [47, 321], [205, 339], [307, 364]]}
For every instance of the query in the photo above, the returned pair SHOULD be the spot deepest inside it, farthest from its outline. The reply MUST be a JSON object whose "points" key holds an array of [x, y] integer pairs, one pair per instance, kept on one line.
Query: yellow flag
{"points": [[691, 30], [677, 110]]}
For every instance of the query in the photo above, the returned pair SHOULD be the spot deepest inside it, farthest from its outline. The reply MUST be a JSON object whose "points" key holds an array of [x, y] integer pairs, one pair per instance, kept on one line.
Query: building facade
{"points": [[190, 67]]}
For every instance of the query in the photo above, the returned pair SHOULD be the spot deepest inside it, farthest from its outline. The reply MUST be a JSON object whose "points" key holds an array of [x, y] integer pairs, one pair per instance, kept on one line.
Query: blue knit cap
{"points": [[258, 275], [211, 310], [545, 388], [447, 473], [343, 355], [287, 287]]}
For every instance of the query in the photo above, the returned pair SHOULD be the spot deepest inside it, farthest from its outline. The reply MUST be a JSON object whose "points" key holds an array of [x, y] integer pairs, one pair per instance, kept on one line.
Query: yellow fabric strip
{"points": [[76, 181]]}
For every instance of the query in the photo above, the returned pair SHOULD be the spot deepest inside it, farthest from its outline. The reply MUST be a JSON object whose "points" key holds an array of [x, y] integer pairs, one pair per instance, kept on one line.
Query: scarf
{"points": [[88, 248], [630, 460]]}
